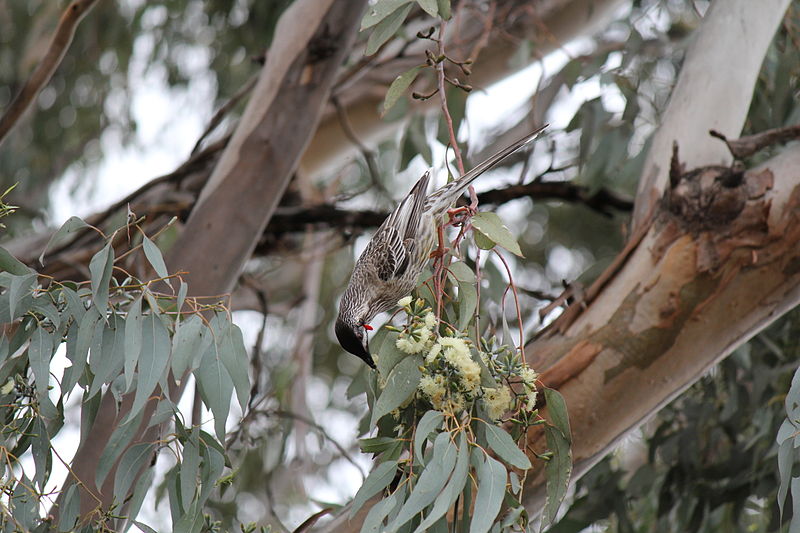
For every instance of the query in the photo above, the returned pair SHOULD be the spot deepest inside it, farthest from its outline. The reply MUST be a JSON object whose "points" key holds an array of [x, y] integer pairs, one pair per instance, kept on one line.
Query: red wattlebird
{"points": [[393, 260]]}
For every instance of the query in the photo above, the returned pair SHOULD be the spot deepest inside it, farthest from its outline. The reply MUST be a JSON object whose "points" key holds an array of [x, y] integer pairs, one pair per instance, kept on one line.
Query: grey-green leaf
{"points": [[40, 351], [491, 490], [430, 421], [557, 471], [453, 488], [376, 481], [234, 357], [399, 86], [490, 225], [69, 227], [467, 303], [386, 29], [9, 263], [430, 482], [504, 446], [379, 11], [374, 520], [216, 387], [190, 467], [119, 440], [100, 268], [132, 462], [152, 360], [388, 354], [462, 272], [400, 385], [431, 7], [133, 339], [444, 9], [189, 342], [70, 509], [154, 257], [557, 411]]}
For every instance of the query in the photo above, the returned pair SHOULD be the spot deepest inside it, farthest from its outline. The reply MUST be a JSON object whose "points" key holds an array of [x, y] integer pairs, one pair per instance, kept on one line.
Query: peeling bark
{"points": [[694, 289]]}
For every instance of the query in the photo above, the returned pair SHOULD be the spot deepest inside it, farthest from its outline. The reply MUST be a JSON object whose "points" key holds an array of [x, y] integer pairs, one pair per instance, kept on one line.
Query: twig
{"points": [[369, 155], [294, 416], [62, 38], [750, 144], [443, 99], [222, 111]]}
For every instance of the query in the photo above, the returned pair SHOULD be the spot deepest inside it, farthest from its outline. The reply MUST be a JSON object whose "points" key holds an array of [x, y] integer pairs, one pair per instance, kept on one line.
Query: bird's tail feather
{"points": [[444, 197]]}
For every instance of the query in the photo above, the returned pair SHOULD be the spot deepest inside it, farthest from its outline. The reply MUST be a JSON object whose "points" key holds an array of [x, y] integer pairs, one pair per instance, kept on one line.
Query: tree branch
{"points": [[750, 144], [62, 38]]}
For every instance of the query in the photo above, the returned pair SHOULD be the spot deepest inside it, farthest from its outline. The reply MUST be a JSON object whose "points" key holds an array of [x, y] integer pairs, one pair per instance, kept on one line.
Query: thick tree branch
{"points": [[730, 43], [62, 38], [750, 144], [718, 264]]}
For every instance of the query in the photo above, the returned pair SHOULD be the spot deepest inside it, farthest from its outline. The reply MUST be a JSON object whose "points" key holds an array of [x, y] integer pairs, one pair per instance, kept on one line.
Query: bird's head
{"points": [[352, 337]]}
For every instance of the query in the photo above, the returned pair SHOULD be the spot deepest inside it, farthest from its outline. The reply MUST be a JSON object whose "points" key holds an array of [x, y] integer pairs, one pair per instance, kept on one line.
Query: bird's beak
{"points": [[349, 340]]}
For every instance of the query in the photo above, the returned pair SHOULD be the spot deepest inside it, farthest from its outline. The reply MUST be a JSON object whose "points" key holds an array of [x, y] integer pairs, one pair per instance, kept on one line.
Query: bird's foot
{"points": [[439, 252], [459, 215]]}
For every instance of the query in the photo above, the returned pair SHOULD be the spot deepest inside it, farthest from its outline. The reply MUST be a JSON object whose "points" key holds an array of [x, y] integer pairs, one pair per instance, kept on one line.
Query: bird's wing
{"points": [[393, 242], [447, 194]]}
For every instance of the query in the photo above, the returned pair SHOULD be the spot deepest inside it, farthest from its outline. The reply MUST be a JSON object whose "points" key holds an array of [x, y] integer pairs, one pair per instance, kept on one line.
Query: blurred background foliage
{"points": [[704, 463]]}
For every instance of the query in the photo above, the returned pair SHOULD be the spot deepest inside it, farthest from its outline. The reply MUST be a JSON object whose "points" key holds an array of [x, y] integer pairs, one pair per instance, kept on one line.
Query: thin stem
{"points": [[516, 302]]}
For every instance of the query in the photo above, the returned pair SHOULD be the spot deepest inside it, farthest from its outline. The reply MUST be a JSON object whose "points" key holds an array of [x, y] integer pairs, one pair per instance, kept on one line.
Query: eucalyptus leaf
{"points": [[376, 481], [133, 340], [386, 29], [504, 446], [117, 443], [100, 268], [557, 471], [400, 385], [430, 7], [190, 340], [72, 225], [189, 469], [154, 257], [40, 451], [453, 488], [430, 421], [9, 263], [462, 272], [388, 354], [216, 387], [491, 490], [444, 9], [467, 304], [490, 225], [79, 356], [153, 360], [234, 356], [430, 482], [557, 411], [40, 351], [132, 463], [399, 86], [379, 11], [112, 356], [373, 523], [70, 509]]}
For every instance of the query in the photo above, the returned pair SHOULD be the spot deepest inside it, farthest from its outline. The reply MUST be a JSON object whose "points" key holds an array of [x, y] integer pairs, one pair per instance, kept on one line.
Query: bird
{"points": [[389, 266]]}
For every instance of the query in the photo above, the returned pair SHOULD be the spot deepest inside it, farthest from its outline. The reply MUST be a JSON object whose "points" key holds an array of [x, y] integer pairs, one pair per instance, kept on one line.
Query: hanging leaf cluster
{"points": [[120, 337]]}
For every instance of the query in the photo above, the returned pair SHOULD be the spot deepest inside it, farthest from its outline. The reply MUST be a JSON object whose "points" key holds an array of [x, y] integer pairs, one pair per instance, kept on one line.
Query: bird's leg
{"points": [[441, 249], [459, 215], [438, 268]]}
